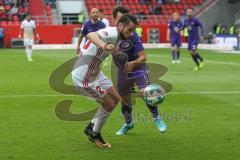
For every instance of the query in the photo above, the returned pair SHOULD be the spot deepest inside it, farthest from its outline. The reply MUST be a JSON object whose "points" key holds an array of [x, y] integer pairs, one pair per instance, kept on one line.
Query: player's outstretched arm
{"points": [[168, 35], [95, 39], [201, 30], [79, 43]]}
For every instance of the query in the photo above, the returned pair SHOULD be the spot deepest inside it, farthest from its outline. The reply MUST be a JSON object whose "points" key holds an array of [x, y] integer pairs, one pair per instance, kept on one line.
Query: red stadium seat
{"points": [[7, 7], [15, 18], [3, 23], [48, 7], [10, 23], [16, 23], [49, 12]]}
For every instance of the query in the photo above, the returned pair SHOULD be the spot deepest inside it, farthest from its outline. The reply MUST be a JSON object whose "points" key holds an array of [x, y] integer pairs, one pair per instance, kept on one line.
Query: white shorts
{"points": [[28, 42], [95, 89]]}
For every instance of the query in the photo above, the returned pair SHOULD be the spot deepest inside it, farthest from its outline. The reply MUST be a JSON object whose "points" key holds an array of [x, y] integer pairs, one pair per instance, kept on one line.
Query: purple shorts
{"points": [[176, 42], [125, 83], [192, 45]]}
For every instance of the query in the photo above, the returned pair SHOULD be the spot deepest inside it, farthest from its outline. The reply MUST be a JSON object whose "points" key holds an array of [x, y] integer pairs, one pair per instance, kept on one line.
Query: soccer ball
{"points": [[154, 94]]}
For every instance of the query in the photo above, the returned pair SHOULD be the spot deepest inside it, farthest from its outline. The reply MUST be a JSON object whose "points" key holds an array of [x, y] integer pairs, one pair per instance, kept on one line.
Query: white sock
{"points": [[100, 118], [30, 53], [93, 120], [27, 53]]}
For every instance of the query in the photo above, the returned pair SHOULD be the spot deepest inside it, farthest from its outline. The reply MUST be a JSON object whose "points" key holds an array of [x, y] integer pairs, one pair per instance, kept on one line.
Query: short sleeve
{"points": [[108, 33], [22, 25], [84, 30], [34, 24], [138, 45]]}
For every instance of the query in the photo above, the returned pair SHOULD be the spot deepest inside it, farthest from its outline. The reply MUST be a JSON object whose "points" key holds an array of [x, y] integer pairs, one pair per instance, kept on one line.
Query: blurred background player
{"points": [[139, 31], [1, 37], [130, 75], [175, 27], [92, 82], [102, 18], [28, 28], [192, 24], [93, 25]]}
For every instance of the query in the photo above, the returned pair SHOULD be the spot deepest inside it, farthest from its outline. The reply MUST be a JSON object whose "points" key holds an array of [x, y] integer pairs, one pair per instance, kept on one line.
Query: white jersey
{"points": [[106, 22], [89, 64], [28, 27], [86, 75]]}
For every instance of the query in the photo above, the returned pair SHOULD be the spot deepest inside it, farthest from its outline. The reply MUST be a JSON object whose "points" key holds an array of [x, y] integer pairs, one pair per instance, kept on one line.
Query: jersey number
{"points": [[87, 44], [99, 89]]}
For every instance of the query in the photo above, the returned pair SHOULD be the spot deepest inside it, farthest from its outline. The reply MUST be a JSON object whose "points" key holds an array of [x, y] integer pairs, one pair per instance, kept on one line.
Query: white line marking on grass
{"points": [[208, 61], [173, 93], [206, 92]]}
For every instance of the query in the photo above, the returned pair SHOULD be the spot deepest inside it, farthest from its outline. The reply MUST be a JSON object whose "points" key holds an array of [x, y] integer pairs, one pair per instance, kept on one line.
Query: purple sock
{"points": [[199, 57], [195, 59], [178, 55], [127, 113], [153, 110], [173, 55]]}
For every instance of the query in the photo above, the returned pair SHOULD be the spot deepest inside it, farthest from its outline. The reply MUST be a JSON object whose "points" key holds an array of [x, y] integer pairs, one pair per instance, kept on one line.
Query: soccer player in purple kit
{"points": [[93, 25], [192, 24], [173, 35], [135, 71]]}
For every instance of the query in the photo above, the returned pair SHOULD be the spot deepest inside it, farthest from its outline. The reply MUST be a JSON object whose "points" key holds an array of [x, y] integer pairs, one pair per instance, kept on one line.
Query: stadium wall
{"points": [[48, 34], [56, 34]]}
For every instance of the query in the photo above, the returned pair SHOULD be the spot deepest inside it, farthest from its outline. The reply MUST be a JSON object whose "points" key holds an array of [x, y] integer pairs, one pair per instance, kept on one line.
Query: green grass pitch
{"points": [[202, 112]]}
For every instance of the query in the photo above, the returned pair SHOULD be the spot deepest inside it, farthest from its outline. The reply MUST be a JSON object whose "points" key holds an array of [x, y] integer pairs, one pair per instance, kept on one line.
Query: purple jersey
{"points": [[136, 47], [172, 26], [192, 25], [90, 27], [139, 75]]}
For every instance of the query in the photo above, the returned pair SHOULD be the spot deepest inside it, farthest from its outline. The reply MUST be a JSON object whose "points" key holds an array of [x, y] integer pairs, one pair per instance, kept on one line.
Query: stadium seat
{"points": [[3, 23], [16, 23], [15, 18], [136, 8], [7, 7], [49, 12]]}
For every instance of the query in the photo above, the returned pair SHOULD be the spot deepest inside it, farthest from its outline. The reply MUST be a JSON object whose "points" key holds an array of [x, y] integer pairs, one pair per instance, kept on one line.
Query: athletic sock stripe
{"points": [[86, 78], [91, 67], [92, 93]]}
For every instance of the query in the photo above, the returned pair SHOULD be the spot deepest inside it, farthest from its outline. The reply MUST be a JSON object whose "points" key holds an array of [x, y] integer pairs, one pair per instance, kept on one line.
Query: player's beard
{"points": [[122, 36]]}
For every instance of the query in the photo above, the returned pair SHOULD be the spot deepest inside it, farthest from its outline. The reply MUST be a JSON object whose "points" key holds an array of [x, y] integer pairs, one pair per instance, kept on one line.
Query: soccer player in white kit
{"points": [[91, 82], [28, 28]]}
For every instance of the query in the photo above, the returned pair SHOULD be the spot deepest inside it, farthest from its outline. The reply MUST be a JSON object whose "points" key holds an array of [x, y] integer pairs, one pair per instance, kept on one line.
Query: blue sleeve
{"points": [[84, 31], [181, 26], [201, 27], [103, 26], [184, 23], [138, 44]]}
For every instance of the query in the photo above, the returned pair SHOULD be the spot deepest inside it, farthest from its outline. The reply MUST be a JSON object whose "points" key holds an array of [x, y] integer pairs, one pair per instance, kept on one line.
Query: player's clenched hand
{"points": [[110, 47], [129, 66], [78, 51]]}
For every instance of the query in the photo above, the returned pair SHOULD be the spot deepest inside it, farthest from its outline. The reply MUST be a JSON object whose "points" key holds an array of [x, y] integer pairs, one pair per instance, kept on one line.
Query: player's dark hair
{"points": [[121, 9], [100, 10], [127, 18]]}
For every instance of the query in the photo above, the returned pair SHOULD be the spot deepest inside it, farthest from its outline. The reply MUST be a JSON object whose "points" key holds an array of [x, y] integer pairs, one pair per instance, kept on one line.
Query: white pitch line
{"points": [[171, 93], [208, 61], [206, 92]]}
